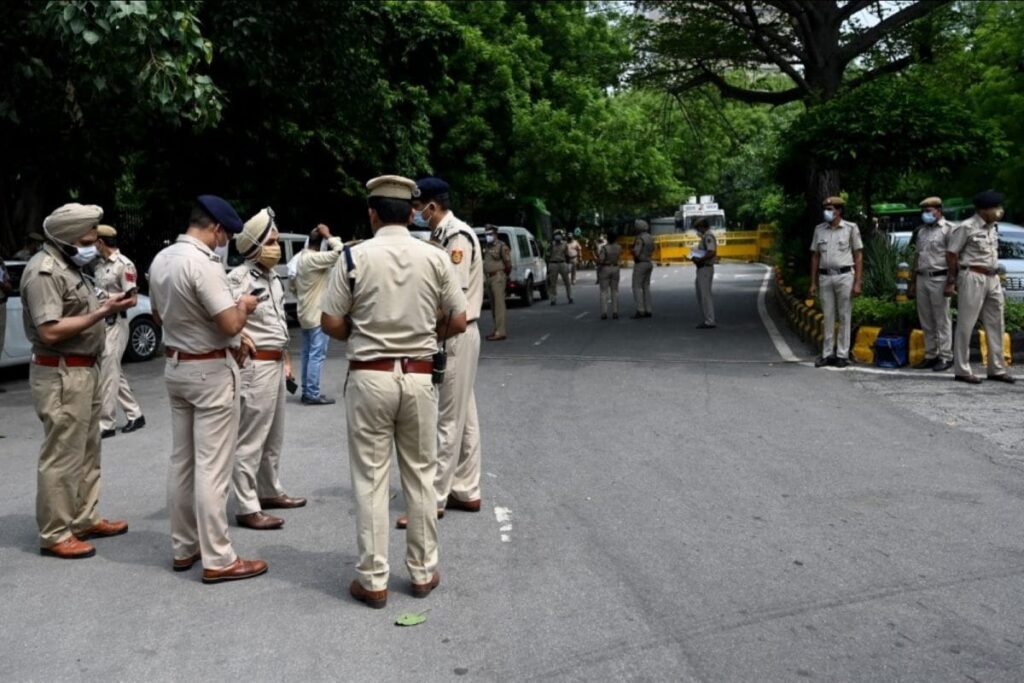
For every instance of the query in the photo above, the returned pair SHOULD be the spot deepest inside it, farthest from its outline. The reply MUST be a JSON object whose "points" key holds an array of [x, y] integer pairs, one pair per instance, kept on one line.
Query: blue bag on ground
{"points": [[890, 351]]}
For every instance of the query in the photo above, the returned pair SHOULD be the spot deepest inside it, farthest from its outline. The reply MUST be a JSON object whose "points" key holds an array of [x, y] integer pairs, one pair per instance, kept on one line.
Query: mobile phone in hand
{"points": [[260, 293], [131, 292]]}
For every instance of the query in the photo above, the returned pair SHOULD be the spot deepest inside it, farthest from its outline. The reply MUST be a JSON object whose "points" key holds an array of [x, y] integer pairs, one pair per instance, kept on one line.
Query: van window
{"points": [[534, 249], [524, 245]]}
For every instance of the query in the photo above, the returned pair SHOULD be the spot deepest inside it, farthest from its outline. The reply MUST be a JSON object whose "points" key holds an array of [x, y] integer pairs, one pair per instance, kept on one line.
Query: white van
{"points": [[529, 270]]}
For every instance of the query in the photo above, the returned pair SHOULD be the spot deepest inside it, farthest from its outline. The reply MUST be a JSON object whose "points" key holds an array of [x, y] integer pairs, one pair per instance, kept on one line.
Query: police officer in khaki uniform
{"points": [[608, 255], [643, 250], [457, 483], [973, 259], [929, 284], [836, 266], [497, 266], [705, 277], [383, 297], [64, 323], [6, 287], [256, 478], [115, 274], [201, 319], [558, 267]]}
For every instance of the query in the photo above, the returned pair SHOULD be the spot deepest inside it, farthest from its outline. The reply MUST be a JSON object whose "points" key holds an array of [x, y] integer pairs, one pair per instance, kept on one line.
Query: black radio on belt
{"points": [[441, 357]]}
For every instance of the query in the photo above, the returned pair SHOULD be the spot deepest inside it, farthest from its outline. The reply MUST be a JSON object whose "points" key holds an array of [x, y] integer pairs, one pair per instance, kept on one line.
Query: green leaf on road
{"points": [[410, 619]]}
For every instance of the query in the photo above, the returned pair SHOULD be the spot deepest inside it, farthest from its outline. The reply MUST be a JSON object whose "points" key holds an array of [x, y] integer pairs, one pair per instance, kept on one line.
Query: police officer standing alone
{"points": [[705, 277], [115, 274], [643, 249], [201, 320], [836, 266], [256, 478], [973, 258], [929, 284], [64, 323], [384, 297], [558, 266], [497, 266], [608, 255]]}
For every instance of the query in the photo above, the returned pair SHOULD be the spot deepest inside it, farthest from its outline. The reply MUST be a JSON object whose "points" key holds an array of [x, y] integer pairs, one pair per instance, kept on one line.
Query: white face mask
{"points": [[83, 256], [221, 250], [490, 239], [829, 215]]}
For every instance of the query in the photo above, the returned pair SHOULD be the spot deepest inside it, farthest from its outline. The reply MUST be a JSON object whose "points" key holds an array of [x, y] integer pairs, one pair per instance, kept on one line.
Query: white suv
{"points": [[529, 270]]}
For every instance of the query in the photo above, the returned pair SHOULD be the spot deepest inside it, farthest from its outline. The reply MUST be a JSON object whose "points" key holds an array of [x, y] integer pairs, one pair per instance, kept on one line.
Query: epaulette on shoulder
{"points": [[48, 264]]}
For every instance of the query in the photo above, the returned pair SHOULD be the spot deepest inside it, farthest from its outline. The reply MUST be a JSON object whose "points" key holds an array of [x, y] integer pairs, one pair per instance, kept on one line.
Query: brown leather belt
{"points": [[982, 271], [209, 355], [420, 367], [69, 361], [268, 354]]}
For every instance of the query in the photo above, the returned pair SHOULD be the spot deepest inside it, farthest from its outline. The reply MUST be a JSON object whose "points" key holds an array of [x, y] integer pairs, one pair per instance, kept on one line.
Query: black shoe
{"points": [[133, 425], [825, 360], [648, 314], [942, 366], [1006, 378], [927, 363], [637, 316], [842, 362], [604, 316], [705, 326], [320, 400], [107, 433], [570, 300], [615, 316]]}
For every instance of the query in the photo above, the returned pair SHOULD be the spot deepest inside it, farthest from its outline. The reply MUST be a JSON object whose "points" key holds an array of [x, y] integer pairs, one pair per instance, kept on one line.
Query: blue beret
{"points": [[221, 211], [989, 199], [430, 188]]}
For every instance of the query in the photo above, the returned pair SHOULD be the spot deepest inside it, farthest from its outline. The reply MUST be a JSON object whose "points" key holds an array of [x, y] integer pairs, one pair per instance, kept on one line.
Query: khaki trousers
{"points": [[608, 280], [496, 284], [386, 409], [836, 296], [67, 401], [204, 429], [556, 270], [458, 430], [260, 434], [704, 279], [642, 286], [978, 296], [933, 311], [114, 387]]}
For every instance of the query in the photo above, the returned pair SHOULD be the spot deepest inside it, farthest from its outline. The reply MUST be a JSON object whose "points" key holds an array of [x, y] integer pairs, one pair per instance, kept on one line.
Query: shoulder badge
{"points": [[48, 264], [456, 256], [130, 275]]}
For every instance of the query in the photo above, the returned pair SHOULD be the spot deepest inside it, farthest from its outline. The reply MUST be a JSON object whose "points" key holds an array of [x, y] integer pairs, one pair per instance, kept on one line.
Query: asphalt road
{"points": [[660, 503]]}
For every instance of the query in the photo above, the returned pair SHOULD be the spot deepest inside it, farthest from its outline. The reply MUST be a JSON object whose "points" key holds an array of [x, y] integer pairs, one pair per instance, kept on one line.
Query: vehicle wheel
{"points": [[543, 289], [143, 340], [528, 294]]}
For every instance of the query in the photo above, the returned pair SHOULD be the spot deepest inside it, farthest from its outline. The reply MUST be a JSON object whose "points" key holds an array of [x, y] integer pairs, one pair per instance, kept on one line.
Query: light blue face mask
{"points": [[829, 215], [85, 255], [419, 221], [928, 217]]}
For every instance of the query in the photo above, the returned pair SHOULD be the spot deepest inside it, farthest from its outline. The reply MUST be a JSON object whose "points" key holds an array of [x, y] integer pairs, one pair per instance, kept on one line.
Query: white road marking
{"points": [[582, 314], [492, 474], [504, 517], [505, 538], [541, 340], [769, 325]]}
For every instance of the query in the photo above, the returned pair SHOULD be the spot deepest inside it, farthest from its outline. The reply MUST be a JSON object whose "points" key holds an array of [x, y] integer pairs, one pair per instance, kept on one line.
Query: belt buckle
{"points": [[405, 366]]}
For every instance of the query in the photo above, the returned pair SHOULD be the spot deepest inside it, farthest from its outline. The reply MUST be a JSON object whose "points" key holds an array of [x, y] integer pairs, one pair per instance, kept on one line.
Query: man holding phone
{"points": [[255, 478], [115, 274]]}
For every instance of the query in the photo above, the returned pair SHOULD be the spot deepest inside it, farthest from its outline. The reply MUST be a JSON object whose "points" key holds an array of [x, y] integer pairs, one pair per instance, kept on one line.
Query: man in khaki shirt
{"points": [[311, 271], [497, 266], [201, 319], [973, 259], [115, 274], [643, 250], [64, 323], [836, 266], [384, 297], [256, 479], [558, 267], [458, 455], [928, 286]]}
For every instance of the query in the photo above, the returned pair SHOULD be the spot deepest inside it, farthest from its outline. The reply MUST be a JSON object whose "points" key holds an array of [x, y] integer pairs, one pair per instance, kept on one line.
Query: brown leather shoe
{"points": [[465, 505], [236, 571], [260, 521], [970, 379], [104, 528], [374, 599], [422, 590], [403, 521], [69, 549], [186, 563], [282, 503]]}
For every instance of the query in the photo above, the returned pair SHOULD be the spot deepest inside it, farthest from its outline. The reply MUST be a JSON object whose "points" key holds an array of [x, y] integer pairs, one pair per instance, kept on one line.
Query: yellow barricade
{"points": [[747, 245]]}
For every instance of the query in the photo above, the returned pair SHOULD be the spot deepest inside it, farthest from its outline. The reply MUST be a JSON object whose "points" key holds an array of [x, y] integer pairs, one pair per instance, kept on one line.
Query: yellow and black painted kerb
{"points": [[806, 321]]}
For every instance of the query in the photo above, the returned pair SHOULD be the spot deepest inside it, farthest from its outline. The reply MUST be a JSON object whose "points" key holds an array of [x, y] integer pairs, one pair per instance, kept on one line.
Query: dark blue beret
{"points": [[221, 211], [430, 188], [989, 199]]}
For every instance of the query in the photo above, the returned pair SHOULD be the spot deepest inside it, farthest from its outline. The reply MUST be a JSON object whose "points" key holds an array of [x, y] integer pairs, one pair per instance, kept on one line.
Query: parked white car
{"points": [[529, 270], [1011, 256], [144, 335]]}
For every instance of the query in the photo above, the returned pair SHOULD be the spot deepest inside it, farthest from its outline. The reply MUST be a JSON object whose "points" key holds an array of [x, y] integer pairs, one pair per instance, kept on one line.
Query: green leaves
{"points": [[410, 619]]}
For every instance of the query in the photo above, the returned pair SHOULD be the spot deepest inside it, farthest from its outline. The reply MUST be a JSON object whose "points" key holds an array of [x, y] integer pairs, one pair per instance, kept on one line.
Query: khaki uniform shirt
{"points": [[188, 287], [116, 274], [267, 326], [559, 253], [931, 245], [497, 258], [311, 272], [463, 248], [976, 243], [53, 289], [399, 284], [708, 242], [643, 247], [835, 246], [608, 254]]}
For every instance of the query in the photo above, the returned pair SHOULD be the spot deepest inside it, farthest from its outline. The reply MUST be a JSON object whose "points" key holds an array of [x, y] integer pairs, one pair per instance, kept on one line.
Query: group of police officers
{"points": [[408, 310]]}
